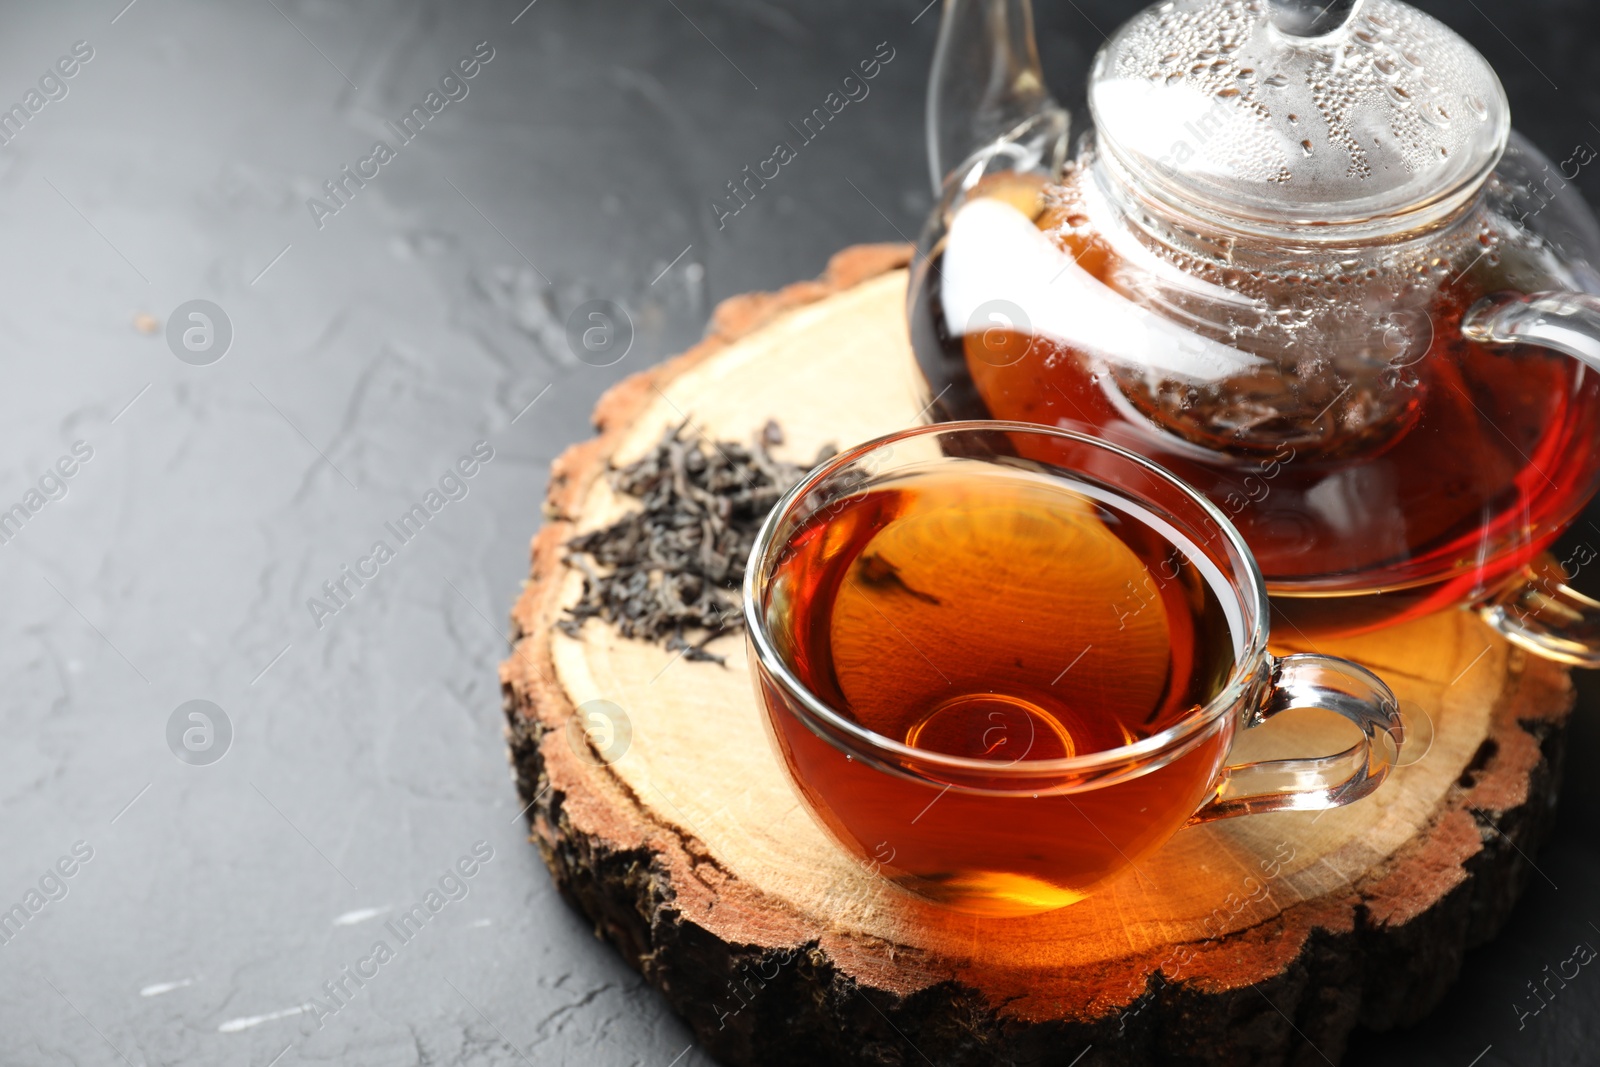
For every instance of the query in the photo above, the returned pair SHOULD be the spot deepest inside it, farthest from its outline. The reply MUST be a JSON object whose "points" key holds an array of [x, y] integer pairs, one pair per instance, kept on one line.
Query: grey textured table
{"points": [[375, 343]]}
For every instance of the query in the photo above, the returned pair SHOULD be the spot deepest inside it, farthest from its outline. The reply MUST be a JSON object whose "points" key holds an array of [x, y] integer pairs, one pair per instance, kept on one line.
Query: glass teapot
{"points": [[1303, 262]]}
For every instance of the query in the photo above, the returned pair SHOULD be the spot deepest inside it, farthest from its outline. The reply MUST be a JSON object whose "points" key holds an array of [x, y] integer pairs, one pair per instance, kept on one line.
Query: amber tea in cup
{"points": [[1040, 630], [1001, 680]]}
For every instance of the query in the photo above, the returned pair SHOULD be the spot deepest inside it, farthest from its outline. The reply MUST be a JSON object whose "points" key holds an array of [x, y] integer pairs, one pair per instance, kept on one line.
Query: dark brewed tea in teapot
{"points": [[1460, 467], [1288, 263]]}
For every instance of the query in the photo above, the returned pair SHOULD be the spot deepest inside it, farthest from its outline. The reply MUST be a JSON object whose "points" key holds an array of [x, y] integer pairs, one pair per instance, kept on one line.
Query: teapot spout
{"points": [[987, 88]]}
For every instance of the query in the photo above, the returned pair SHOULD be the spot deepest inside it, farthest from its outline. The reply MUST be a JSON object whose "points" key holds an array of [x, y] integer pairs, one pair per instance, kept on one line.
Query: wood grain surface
{"points": [[1257, 940]]}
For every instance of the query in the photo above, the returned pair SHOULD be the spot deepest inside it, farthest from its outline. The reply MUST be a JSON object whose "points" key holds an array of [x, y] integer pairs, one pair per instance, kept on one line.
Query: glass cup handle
{"points": [[1314, 681]]}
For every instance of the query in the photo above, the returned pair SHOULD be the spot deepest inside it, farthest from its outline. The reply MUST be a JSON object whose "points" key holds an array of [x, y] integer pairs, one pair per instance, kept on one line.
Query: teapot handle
{"points": [[1538, 610], [986, 84], [1566, 322]]}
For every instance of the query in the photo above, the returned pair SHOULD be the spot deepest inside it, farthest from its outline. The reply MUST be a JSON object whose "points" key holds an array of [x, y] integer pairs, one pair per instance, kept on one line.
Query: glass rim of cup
{"points": [[1245, 584]]}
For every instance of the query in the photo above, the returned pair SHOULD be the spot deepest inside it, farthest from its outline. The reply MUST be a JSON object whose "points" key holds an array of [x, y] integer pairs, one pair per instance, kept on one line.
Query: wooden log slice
{"points": [[1262, 940]]}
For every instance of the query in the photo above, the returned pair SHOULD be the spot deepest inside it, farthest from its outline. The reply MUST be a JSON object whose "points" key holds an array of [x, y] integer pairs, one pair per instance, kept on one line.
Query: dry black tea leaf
{"points": [[670, 571]]}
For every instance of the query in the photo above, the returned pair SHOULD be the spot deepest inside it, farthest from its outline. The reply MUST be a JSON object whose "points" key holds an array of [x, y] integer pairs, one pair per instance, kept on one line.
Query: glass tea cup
{"points": [[1002, 662]]}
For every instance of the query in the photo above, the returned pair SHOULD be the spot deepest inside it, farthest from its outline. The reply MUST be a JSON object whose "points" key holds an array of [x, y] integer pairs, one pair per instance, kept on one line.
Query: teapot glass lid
{"points": [[1265, 115]]}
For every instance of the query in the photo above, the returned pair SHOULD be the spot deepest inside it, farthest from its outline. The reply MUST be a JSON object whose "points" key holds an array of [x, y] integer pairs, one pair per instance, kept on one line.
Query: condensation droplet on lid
{"points": [[1398, 69]]}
